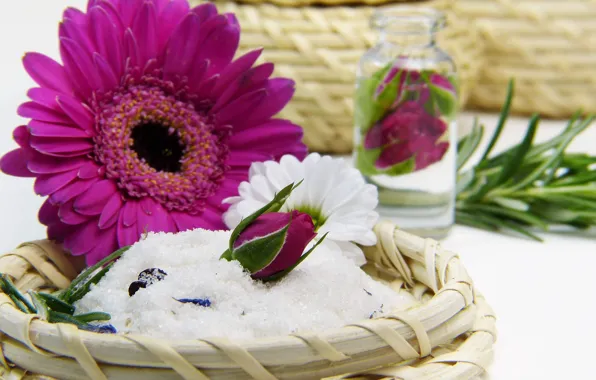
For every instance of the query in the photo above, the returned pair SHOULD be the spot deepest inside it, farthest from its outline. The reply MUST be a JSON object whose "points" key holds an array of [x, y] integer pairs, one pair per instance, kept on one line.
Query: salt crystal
{"points": [[326, 291]]}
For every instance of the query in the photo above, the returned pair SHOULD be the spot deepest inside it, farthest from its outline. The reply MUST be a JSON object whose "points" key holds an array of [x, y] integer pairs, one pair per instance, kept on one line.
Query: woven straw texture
{"points": [[297, 3], [448, 335], [548, 46], [319, 47]]}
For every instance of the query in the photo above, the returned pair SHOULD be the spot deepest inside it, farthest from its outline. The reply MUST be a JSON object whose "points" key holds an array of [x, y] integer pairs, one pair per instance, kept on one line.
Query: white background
{"points": [[543, 294]]}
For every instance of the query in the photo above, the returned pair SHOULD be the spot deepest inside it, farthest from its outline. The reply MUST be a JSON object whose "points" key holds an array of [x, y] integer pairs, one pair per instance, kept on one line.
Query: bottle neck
{"points": [[414, 41]]}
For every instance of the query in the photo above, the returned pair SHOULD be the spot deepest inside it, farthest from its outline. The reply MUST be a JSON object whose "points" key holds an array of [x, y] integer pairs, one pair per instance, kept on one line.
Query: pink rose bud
{"points": [[282, 256], [270, 244]]}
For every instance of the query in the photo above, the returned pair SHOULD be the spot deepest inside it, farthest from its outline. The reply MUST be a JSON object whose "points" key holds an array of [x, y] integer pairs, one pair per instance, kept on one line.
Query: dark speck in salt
{"points": [[367, 292], [205, 302], [152, 275], [135, 286]]}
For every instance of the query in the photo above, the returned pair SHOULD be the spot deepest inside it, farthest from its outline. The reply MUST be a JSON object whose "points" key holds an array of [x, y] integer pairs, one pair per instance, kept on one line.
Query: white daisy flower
{"points": [[334, 194]]}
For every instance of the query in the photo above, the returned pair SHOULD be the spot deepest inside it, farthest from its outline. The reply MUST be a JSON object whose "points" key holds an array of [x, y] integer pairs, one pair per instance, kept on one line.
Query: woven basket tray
{"points": [[319, 47], [448, 335], [548, 46]]}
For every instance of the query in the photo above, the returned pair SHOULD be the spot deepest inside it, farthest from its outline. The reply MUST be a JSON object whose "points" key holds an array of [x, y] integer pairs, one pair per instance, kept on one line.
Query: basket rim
{"points": [[455, 308]]}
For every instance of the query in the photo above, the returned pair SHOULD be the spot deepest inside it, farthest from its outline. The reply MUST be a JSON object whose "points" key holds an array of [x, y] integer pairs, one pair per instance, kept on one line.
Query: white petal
{"points": [[257, 168], [277, 176], [353, 252], [232, 200], [231, 217], [262, 190]]}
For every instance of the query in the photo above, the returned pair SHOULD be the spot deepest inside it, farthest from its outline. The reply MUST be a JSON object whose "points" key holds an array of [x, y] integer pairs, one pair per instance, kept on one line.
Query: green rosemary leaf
{"points": [[513, 164], [469, 144], [472, 221], [92, 317], [56, 304], [513, 204], [520, 230], [12, 291], [87, 273], [502, 119], [84, 289], [513, 214]]}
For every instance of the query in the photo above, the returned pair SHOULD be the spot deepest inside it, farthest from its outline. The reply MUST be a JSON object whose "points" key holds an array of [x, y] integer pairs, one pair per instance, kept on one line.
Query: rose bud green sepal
{"points": [[270, 244], [274, 243]]}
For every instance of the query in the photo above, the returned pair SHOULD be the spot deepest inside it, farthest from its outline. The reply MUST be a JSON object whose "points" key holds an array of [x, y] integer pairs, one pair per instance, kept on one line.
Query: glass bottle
{"points": [[406, 107]]}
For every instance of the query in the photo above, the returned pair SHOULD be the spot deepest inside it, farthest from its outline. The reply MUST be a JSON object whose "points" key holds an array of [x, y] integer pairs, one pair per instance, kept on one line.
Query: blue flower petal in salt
{"points": [[205, 302]]}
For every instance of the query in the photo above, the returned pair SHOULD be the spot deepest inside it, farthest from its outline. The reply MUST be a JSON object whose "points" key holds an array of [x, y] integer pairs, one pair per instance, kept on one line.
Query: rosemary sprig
{"points": [[529, 186]]}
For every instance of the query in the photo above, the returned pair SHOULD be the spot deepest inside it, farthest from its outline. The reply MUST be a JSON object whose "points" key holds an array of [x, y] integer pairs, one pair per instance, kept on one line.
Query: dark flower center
{"points": [[160, 150], [156, 144]]}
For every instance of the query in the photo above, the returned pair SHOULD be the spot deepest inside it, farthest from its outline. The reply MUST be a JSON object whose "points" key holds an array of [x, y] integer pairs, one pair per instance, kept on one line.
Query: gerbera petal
{"points": [[106, 243], [75, 15], [131, 47], [219, 47], [43, 129], [239, 108], [69, 216], [93, 200], [89, 170], [144, 28], [47, 73], [196, 75], [57, 146], [48, 213], [77, 112], [127, 235], [44, 96], [251, 80], [79, 66], [42, 164], [273, 136], [58, 231], [205, 11], [72, 190], [48, 183], [129, 213], [152, 217], [15, 163], [171, 15], [106, 35], [33, 110], [76, 30], [244, 159], [108, 78], [235, 70], [21, 136], [279, 93], [209, 219], [112, 12], [83, 238], [109, 214], [181, 48], [128, 10]]}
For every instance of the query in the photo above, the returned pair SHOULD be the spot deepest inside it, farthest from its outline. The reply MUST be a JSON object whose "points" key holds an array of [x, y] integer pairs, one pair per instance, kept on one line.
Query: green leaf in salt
{"points": [[258, 253]]}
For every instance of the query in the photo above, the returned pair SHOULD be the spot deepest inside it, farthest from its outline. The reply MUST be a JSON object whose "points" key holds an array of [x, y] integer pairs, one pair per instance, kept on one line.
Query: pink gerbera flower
{"points": [[148, 124]]}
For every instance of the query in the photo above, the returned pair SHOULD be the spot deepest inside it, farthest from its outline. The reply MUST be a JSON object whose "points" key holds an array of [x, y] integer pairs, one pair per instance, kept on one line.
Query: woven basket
{"points": [[548, 46], [448, 335], [319, 47]]}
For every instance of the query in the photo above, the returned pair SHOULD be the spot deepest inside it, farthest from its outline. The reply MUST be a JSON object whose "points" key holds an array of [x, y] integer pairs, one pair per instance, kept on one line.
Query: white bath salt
{"points": [[326, 291]]}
